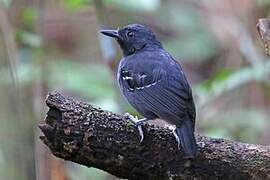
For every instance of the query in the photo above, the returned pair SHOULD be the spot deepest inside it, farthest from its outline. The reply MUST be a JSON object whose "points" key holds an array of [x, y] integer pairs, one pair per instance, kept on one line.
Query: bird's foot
{"points": [[138, 123], [177, 138], [173, 129]]}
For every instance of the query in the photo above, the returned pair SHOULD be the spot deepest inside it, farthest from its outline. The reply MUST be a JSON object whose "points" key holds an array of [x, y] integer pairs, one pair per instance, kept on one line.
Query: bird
{"points": [[154, 83]]}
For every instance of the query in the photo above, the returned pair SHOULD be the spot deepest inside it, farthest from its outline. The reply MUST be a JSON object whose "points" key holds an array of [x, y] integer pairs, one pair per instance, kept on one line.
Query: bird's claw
{"points": [[132, 118], [173, 129], [177, 139], [138, 123], [140, 132]]}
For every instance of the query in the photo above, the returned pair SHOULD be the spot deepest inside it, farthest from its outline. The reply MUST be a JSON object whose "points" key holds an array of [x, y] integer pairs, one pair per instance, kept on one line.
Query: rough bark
{"points": [[93, 137], [263, 27]]}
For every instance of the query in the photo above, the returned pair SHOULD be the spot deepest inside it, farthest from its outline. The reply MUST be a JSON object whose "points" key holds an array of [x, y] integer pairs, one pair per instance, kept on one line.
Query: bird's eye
{"points": [[130, 34]]}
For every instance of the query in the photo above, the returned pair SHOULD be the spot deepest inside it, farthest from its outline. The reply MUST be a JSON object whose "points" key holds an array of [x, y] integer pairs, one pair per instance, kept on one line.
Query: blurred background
{"points": [[55, 45]]}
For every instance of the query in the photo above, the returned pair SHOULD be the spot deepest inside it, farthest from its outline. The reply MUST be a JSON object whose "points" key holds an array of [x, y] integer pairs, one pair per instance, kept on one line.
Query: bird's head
{"points": [[133, 38]]}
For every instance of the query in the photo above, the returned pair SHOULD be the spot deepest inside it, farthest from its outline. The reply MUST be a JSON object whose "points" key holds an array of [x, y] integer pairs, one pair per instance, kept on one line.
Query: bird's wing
{"points": [[179, 87], [161, 89]]}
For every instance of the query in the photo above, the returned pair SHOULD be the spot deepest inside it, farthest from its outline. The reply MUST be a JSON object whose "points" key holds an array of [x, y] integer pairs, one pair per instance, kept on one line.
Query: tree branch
{"points": [[90, 136], [263, 28]]}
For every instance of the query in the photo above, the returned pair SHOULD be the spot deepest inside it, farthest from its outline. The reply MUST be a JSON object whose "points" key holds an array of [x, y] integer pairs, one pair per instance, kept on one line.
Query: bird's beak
{"points": [[111, 33]]}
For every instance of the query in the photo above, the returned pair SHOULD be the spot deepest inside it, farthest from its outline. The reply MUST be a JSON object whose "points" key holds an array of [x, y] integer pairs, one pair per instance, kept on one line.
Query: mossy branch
{"points": [[93, 137]]}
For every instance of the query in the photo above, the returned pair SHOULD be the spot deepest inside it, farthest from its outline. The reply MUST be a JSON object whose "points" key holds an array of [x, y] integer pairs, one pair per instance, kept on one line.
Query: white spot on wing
{"points": [[147, 86], [143, 76], [127, 77]]}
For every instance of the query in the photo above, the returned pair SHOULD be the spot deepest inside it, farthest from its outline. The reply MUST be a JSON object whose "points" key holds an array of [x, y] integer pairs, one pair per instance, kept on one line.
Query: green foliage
{"points": [[76, 4], [193, 42], [26, 36], [7, 3], [241, 125], [89, 80], [30, 16], [263, 2], [228, 80], [92, 81], [193, 47], [29, 39]]}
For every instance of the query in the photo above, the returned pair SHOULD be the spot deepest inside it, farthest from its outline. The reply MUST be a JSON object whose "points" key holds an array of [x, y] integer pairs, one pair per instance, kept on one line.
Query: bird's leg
{"points": [[177, 138], [173, 128], [138, 123]]}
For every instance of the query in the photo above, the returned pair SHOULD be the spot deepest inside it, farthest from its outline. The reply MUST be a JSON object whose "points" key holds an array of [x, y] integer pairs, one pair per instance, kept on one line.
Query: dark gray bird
{"points": [[154, 84]]}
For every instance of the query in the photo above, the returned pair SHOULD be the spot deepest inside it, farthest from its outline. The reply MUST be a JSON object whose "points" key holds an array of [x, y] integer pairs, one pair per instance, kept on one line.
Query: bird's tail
{"points": [[186, 135]]}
